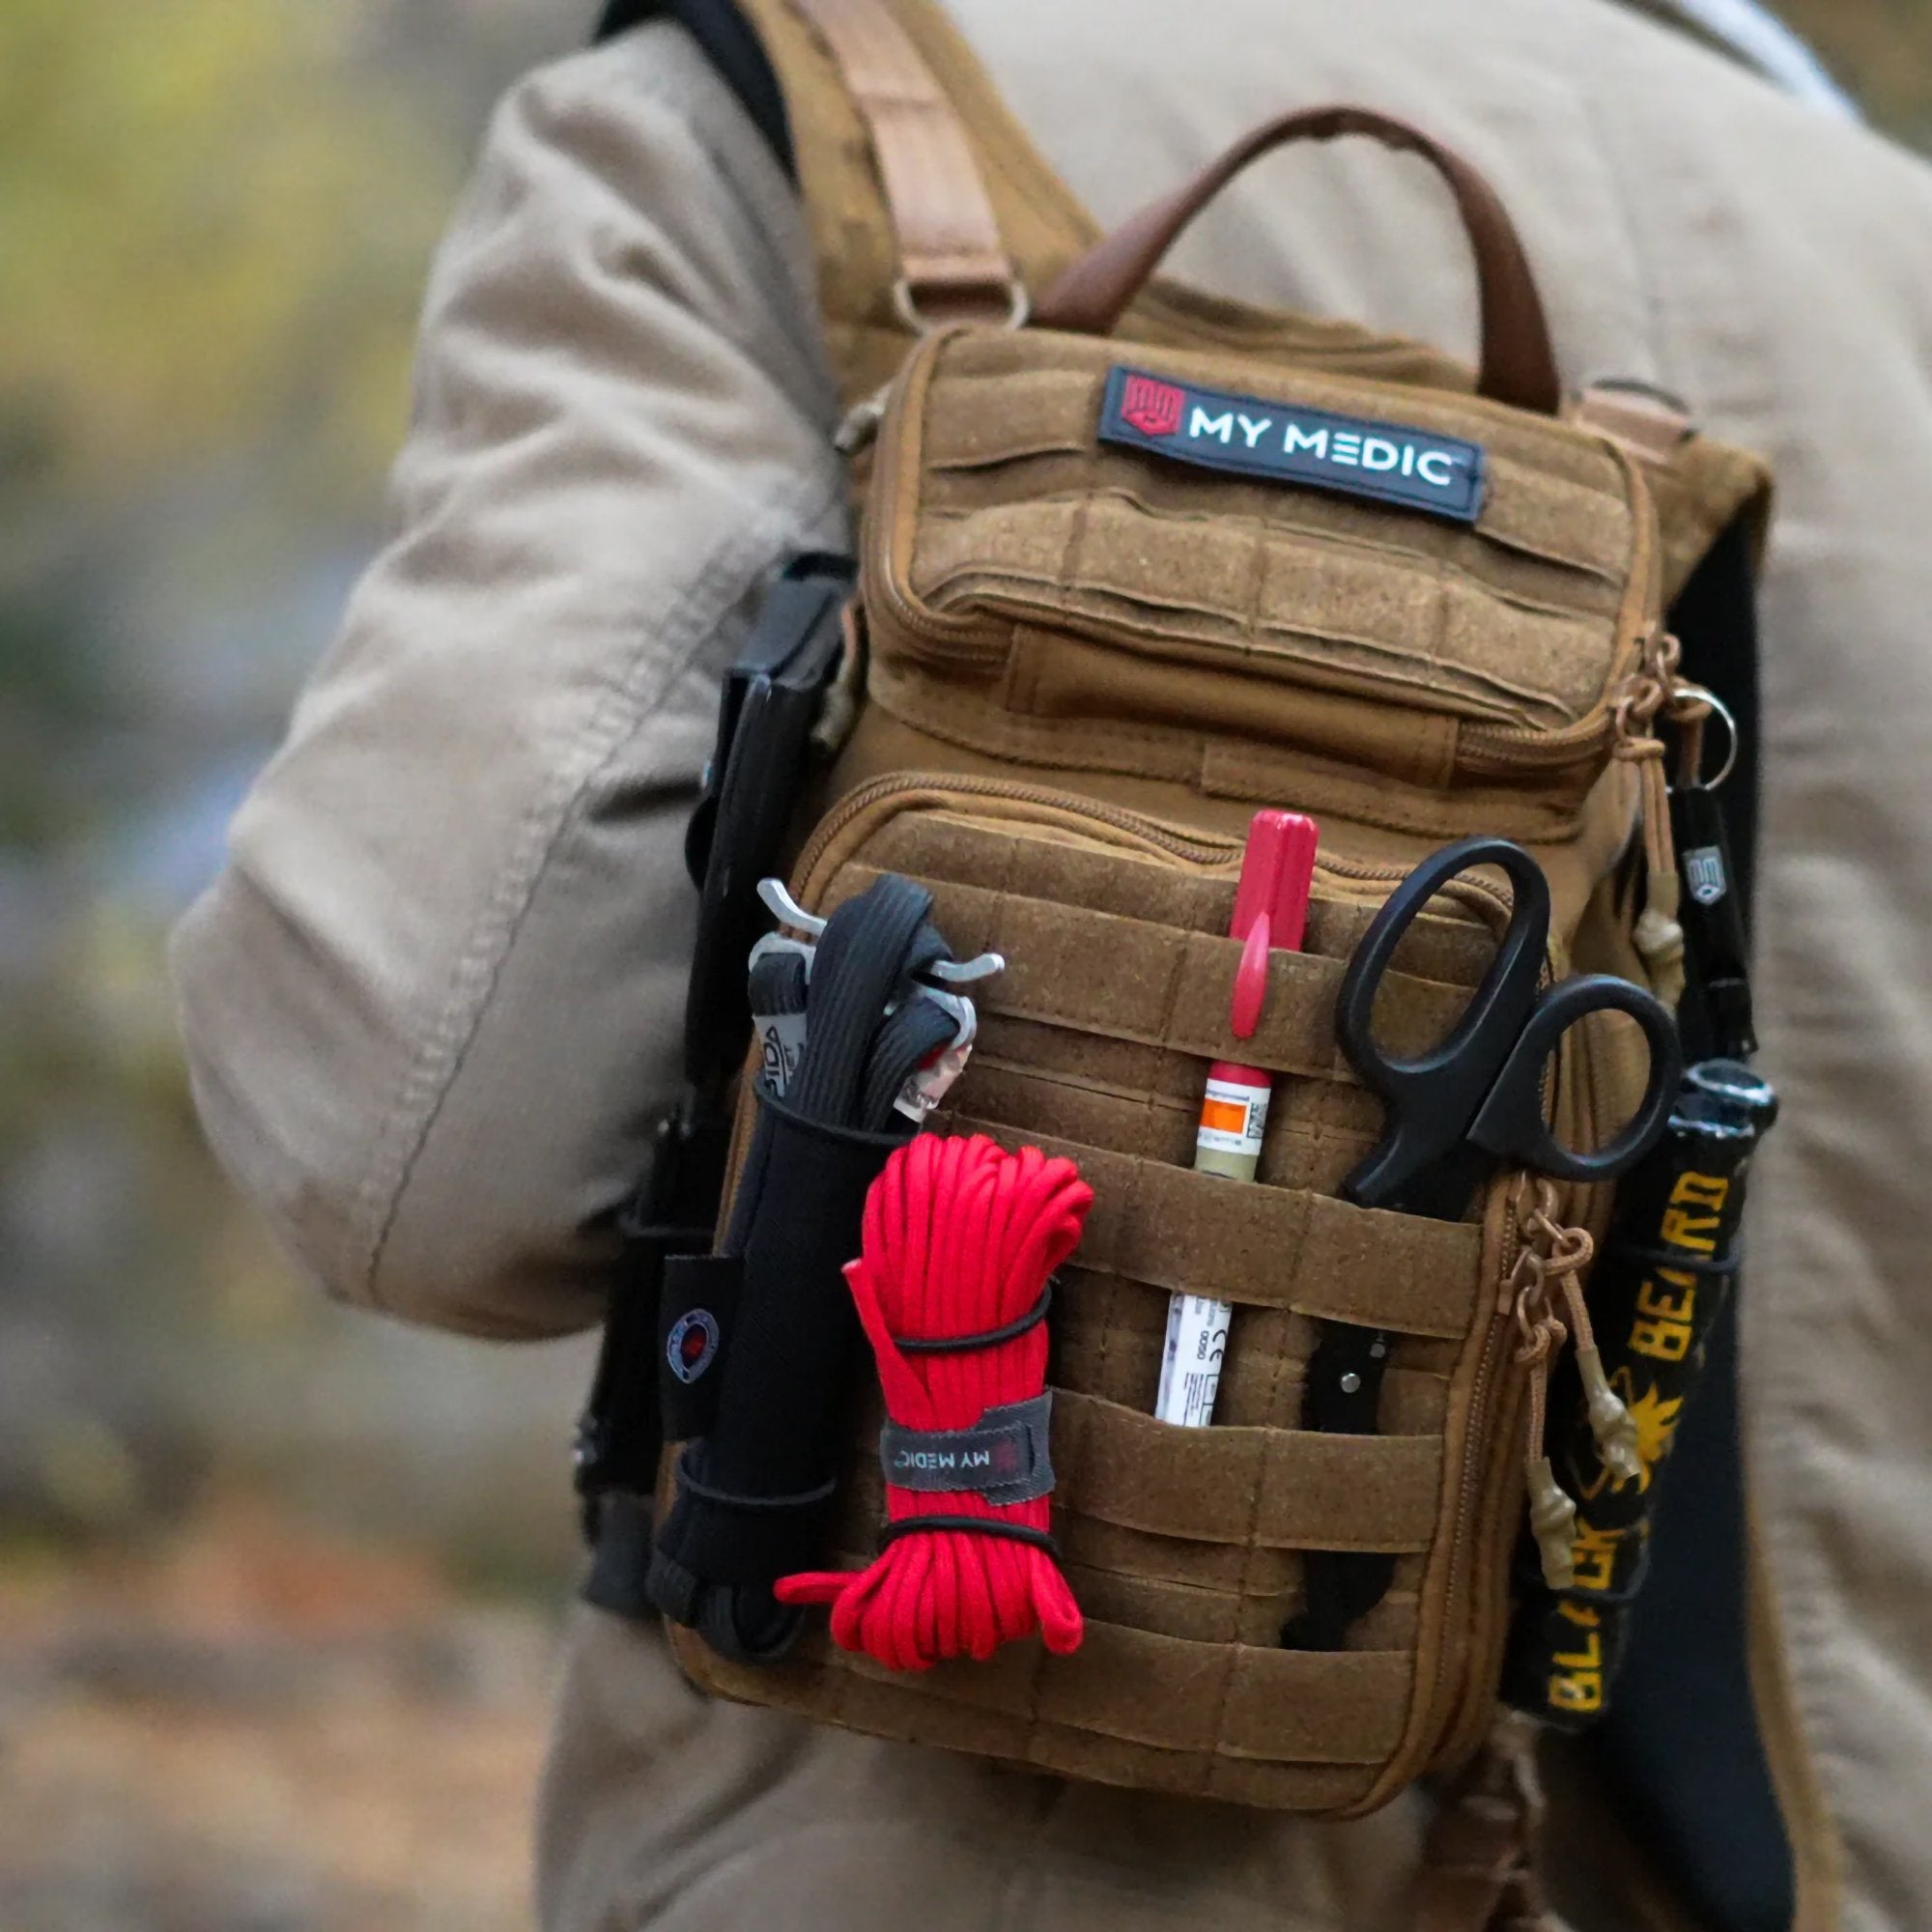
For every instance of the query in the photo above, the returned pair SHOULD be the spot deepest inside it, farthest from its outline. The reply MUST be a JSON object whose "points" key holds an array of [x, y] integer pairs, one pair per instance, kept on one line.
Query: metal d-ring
{"points": [[905, 306], [1723, 711]]}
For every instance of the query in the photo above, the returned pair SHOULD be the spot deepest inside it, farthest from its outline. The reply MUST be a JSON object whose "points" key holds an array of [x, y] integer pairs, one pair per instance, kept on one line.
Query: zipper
{"points": [[1200, 849], [1460, 1724]]}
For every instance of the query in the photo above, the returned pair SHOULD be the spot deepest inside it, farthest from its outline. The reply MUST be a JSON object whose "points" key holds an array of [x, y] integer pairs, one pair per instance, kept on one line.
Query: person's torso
{"points": [[1690, 230]]}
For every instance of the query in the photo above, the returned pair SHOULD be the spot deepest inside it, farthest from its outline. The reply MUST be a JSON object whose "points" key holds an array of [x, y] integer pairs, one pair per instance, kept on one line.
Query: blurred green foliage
{"points": [[208, 207], [215, 223]]}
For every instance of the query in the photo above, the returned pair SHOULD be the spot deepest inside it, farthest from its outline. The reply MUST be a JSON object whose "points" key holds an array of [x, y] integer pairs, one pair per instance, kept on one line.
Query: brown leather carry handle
{"points": [[1090, 295], [953, 266]]}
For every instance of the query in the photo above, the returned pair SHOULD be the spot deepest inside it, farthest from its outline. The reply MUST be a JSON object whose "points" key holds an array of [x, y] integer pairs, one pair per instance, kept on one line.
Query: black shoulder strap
{"points": [[732, 46], [1714, 619], [1680, 1744]]}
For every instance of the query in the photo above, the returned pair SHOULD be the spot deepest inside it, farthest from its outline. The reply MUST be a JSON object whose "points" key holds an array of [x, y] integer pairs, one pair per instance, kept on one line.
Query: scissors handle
{"points": [[1432, 1099], [1511, 1123]]}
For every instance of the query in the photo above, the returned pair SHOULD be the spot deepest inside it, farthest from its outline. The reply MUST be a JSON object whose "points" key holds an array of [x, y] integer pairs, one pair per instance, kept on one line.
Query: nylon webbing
{"points": [[952, 262]]}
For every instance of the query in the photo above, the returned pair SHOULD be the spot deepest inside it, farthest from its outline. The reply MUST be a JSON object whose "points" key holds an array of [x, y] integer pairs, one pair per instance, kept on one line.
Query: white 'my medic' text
{"points": [[1393, 462], [1434, 465]]}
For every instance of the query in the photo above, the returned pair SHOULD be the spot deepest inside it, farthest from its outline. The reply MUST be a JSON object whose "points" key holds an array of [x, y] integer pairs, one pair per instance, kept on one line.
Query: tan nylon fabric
{"points": [[947, 244], [1503, 649], [1185, 1546]]}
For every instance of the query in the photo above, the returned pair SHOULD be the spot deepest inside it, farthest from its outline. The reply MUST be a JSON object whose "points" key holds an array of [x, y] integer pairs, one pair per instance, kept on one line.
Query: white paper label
{"points": [[1190, 1370], [1234, 1117]]}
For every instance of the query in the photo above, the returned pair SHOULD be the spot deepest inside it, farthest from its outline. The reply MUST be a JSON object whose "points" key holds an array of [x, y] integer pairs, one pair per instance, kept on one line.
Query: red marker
{"points": [[1270, 914]]}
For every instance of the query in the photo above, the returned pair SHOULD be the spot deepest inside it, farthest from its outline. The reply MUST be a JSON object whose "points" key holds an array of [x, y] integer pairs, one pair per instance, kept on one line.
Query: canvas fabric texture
{"points": [[1091, 624], [407, 978]]}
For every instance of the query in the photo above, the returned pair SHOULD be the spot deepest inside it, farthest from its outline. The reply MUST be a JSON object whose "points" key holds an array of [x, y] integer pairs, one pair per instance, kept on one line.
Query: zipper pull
{"points": [[1552, 1253], [1611, 1423], [1651, 689], [838, 708], [1552, 1522], [860, 425]]}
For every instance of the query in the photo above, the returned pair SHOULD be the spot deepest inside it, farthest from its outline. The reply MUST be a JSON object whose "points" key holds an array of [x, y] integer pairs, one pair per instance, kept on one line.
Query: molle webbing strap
{"points": [[952, 262], [1178, 1229]]}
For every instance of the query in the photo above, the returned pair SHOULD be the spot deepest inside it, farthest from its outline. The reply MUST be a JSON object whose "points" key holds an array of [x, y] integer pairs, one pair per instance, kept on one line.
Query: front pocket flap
{"points": [[1000, 506], [1284, 1489], [1545, 483], [1268, 1247]]}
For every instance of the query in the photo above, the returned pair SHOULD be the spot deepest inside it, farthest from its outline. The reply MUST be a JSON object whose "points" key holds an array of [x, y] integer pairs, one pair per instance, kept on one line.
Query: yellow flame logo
{"points": [[1656, 1419]]}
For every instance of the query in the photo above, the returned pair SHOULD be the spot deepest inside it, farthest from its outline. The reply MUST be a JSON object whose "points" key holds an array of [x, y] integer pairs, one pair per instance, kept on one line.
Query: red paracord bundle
{"points": [[961, 1238]]}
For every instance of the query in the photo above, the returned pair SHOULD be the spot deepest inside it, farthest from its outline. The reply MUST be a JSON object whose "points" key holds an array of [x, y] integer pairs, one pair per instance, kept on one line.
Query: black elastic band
{"points": [[976, 1525], [727, 1499], [990, 1338]]}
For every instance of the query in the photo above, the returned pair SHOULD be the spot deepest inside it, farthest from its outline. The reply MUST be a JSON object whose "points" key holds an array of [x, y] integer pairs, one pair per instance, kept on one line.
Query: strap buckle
{"points": [[1001, 304]]}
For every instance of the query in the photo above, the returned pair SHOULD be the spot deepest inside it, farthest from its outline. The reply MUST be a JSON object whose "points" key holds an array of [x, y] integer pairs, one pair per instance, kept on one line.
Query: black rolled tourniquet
{"points": [[753, 1490], [754, 1487]]}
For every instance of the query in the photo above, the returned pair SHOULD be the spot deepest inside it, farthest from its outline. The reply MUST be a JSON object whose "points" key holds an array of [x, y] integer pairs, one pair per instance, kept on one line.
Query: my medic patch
{"points": [[1215, 429]]}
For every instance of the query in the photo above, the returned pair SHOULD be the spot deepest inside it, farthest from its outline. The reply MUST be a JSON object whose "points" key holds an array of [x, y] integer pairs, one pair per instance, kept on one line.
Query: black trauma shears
{"points": [[1454, 1114]]}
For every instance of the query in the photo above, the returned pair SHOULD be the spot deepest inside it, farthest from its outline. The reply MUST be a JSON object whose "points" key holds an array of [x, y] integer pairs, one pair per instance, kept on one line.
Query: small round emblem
{"points": [[692, 1344]]}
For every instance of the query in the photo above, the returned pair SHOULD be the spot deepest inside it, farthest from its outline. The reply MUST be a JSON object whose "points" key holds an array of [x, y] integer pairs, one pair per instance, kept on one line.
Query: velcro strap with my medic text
{"points": [[1002, 1458]]}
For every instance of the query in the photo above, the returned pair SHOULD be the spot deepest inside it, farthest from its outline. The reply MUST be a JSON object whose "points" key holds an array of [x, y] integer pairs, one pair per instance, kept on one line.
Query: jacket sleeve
{"points": [[433, 997]]}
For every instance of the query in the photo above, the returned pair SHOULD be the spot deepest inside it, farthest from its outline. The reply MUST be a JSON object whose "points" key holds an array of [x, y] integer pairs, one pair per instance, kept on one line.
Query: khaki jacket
{"points": [[432, 1001]]}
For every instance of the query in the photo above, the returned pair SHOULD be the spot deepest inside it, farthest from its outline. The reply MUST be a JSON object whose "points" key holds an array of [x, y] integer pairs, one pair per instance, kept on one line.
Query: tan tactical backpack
{"points": [[1135, 563]]}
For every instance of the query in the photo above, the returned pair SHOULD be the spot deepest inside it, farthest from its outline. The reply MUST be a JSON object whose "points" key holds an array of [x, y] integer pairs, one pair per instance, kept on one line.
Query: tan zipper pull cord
{"points": [[838, 708], [1649, 690], [1549, 1250], [1610, 1421], [860, 425]]}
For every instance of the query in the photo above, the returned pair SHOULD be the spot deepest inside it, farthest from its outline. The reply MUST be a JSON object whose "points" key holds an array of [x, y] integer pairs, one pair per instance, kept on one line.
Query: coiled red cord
{"points": [[959, 1239]]}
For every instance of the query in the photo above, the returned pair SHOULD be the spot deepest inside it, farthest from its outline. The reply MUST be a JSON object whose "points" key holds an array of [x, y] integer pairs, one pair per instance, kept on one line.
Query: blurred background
{"points": [[277, 1584]]}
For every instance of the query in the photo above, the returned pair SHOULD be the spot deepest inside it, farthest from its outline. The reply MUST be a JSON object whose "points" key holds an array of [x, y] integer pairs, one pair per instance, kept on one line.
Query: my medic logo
{"points": [[1215, 429], [692, 1346], [1151, 406], [991, 1460], [1704, 873]]}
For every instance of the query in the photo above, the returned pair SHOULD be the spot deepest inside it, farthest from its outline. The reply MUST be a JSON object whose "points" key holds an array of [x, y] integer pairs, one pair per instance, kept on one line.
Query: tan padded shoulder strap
{"points": [[878, 135], [953, 265], [891, 112]]}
